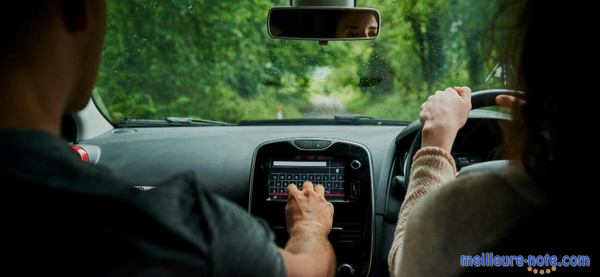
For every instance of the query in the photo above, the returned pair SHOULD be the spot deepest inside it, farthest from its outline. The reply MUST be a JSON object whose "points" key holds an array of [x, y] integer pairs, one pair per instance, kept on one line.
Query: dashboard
{"points": [[250, 165]]}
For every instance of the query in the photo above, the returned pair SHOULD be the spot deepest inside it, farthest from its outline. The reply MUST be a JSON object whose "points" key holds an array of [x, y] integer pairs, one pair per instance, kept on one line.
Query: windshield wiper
{"points": [[348, 119], [351, 118], [169, 121], [195, 121]]}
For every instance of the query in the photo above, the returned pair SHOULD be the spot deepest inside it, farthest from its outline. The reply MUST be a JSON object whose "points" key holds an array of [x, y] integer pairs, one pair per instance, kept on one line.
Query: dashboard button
{"points": [[321, 144], [355, 164], [304, 144], [355, 189], [345, 270]]}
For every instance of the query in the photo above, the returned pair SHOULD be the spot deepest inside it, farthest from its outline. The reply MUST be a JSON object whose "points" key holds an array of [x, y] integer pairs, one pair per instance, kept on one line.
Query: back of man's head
{"points": [[49, 57], [18, 28]]}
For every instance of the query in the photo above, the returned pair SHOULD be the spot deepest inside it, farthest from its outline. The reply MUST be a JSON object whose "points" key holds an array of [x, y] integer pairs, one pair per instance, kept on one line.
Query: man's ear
{"points": [[76, 15]]}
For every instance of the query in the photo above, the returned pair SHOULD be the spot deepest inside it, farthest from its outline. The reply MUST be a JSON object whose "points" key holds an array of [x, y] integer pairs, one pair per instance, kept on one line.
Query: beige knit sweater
{"points": [[442, 218]]}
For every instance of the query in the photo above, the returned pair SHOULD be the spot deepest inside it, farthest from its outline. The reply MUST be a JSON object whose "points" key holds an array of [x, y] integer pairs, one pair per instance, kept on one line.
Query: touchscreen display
{"points": [[329, 173]]}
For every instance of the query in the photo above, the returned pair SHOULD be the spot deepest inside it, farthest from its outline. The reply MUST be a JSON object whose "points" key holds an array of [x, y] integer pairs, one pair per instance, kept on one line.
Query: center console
{"points": [[343, 168]]}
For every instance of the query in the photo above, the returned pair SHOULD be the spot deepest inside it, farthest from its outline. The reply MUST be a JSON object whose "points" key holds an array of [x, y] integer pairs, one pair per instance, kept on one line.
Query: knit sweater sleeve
{"points": [[432, 167]]}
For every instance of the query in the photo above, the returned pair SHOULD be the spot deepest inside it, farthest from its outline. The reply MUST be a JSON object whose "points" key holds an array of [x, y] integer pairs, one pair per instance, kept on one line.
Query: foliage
{"points": [[214, 60]]}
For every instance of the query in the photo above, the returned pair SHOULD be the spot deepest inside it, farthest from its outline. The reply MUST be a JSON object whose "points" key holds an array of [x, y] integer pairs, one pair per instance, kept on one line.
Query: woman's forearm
{"points": [[432, 167]]}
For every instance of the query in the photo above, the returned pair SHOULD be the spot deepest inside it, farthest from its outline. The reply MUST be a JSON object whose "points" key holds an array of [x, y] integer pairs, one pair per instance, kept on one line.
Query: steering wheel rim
{"points": [[479, 99]]}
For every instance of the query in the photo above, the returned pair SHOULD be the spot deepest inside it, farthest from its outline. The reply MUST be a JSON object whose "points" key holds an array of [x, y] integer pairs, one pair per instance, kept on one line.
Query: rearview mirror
{"points": [[323, 23]]}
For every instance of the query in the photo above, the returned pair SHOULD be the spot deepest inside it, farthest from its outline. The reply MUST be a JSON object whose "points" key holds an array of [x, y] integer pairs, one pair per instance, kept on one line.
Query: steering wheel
{"points": [[479, 99]]}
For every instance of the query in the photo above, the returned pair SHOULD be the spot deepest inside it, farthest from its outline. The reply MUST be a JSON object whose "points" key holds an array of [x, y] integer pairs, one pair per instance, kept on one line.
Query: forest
{"points": [[214, 60]]}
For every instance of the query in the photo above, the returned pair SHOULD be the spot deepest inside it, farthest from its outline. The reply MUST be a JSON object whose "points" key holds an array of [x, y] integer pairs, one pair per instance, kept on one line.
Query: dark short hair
{"points": [[19, 22]]}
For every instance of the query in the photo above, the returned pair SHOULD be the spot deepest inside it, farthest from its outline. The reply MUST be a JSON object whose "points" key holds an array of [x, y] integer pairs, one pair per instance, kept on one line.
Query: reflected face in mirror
{"points": [[323, 23], [357, 25]]}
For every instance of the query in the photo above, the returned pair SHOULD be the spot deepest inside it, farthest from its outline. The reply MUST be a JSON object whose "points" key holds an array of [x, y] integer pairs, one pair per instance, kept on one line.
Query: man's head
{"points": [[50, 53]]}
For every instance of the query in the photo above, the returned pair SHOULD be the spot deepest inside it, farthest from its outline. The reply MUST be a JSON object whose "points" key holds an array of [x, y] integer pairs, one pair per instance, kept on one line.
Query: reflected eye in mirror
{"points": [[323, 23], [357, 25]]}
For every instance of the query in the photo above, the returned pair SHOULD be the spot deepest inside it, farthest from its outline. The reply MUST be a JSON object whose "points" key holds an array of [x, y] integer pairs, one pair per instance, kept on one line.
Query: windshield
{"points": [[214, 60]]}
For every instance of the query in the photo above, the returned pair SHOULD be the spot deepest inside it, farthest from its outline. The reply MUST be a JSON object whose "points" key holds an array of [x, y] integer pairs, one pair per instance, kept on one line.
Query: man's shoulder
{"points": [[39, 160], [226, 231]]}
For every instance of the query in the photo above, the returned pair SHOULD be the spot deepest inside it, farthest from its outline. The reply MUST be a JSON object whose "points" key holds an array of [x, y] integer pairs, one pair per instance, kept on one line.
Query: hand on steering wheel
{"points": [[480, 99], [509, 101], [443, 114]]}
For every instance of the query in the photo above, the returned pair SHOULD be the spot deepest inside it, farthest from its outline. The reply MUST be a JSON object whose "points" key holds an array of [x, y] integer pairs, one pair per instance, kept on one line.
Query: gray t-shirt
{"points": [[64, 217]]}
